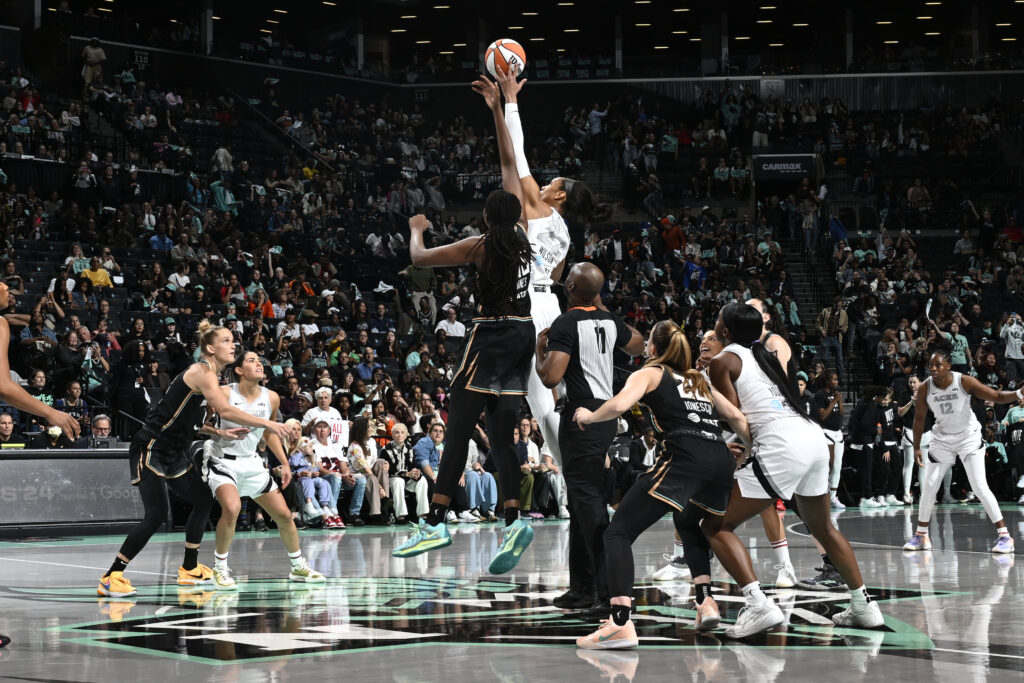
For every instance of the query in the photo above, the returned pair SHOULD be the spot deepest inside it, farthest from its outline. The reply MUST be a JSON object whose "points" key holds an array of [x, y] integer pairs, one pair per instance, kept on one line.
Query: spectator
{"points": [[363, 460], [9, 437], [451, 325], [323, 409], [72, 404], [52, 437], [405, 476], [832, 325], [97, 274]]}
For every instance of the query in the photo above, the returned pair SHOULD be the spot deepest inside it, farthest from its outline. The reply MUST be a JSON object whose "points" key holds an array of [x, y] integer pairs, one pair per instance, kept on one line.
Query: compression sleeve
{"points": [[515, 129]]}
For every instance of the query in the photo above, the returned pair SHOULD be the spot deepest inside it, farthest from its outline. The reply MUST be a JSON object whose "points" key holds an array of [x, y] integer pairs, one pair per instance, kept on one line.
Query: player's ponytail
{"points": [[580, 205], [208, 335], [506, 252], [744, 325], [674, 353]]}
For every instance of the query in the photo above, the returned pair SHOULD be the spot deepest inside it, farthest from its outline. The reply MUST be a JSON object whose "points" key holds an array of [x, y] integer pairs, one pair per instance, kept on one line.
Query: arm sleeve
{"points": [[515, 129]]}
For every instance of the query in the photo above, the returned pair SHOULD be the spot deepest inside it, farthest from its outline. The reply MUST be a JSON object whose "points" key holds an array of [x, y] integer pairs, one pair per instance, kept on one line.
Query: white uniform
{"points": [[956, 430], [790, 453], [549, 240], [238, 463]]}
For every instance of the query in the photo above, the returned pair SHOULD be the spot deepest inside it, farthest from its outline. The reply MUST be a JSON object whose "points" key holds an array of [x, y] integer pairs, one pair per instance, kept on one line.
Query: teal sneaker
{"points": [[425, 538], [517, 540]]}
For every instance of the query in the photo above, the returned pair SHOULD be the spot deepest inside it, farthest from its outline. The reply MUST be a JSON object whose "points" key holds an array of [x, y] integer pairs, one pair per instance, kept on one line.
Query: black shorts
{"points": [[677, 480], [497, 357], [146, 454]]}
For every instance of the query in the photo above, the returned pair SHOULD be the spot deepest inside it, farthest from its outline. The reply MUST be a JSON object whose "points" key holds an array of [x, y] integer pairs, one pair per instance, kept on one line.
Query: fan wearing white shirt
{"points": [[324, 410], [451, 324]]}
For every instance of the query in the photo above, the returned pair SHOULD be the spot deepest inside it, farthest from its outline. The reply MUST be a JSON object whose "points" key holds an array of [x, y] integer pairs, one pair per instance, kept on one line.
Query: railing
{"points": [[291, 140]]}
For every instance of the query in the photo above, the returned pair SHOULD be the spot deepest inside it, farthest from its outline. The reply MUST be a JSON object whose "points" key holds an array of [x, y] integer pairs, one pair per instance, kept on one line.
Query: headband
{"points": [[567, 185]]}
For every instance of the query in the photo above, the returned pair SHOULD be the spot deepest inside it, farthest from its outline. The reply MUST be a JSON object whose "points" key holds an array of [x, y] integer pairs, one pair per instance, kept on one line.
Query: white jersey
{"points": [[952, 409], [549, 240], [760, 400], [260, 407]]}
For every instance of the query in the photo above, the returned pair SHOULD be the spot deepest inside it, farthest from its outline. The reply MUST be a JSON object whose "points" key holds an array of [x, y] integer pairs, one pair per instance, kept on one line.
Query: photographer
{"points": [[1012, 335]]}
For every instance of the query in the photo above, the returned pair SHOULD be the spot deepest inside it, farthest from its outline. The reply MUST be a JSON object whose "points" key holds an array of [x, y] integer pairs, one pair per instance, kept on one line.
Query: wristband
{"points": [[1020, 395]]}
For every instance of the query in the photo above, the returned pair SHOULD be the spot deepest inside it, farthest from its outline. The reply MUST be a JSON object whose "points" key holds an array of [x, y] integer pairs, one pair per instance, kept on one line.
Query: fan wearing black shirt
{"points": [[579, 348]]}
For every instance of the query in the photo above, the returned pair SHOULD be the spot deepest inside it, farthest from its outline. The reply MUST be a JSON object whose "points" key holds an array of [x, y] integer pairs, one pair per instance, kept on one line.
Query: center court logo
{"points": [[274, 619]]}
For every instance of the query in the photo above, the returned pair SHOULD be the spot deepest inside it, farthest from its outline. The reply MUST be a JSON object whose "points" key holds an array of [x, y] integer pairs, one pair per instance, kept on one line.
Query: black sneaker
{"points": [[261, 524], [242, 525], [574, 599], [299, 524], [357, 521], [598, 610], [827, 579]]}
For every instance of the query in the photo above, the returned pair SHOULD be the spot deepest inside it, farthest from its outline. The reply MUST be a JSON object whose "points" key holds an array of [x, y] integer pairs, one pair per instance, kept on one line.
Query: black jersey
{"points": [[589, 336], [677, 412], [834, 421], [909, 416], [177, 417], [520, 304]]}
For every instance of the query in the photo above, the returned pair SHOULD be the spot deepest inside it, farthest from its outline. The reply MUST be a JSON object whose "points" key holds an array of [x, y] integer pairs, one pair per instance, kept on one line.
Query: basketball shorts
{"points": [[497, 357], [246, 473], [833, 437], [945, 449], [790, 457]]}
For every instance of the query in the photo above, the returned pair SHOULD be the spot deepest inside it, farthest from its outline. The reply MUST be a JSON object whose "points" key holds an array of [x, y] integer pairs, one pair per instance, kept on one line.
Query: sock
{"points": [[703, 591], [826, 561], [922, 530], [781, 550], [620, 614], [118, 566], [752, 592], [436, 514], [220, 560], [511, 515], [191, 559], [859, 596], [1002, 531], [677, 549], [296, 558]]}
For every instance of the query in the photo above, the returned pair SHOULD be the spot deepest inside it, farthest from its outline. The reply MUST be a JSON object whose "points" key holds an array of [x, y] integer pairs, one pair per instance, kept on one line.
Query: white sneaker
{"points": [[673, 571], [310, 510], [467, 517], [836, 503], [881, 501], [1020, 482], [908, 498], [863, 616], [786, 577], [1020, 501], [450, 518], [755, 619], [893, 500], [969, 498], [222, 578], [563, 512], [868, 503]]}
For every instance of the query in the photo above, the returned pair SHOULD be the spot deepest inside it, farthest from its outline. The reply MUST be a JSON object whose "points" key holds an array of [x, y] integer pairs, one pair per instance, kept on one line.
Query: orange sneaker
{"points": [[610, 636], [115, 585], [193, 577], [707, 615]]}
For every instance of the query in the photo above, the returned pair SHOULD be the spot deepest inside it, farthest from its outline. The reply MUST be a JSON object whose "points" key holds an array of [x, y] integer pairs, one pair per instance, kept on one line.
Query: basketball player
{"points": [[159, 458], [692, 477], [546, 210], [908, 413], [233, 468], [13, 393], [956, 434], [828, 402], [578, 348], [789, 458]]}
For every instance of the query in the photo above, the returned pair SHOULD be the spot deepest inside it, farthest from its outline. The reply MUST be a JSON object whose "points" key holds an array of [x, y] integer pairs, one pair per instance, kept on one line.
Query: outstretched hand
{"points": [[489, 90], [510, 85]]}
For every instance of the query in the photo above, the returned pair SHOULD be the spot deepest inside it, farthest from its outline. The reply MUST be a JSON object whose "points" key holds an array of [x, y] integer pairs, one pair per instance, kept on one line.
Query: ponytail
{"points": [[207, 335], [674, 353]]}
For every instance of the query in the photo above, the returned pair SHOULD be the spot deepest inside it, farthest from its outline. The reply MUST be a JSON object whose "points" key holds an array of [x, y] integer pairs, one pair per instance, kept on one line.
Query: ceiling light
{"points": [[801, 25], [681, 9], [768, 7], [536, 40], [892, 42], [571, 30], [216, 17], [423, 42], [442, 7], [398, 30], [932, 33], [679, 33], [1003, 24], [515, 28], [924, 18], [642, 2], [281, 11], [764, 21], [561, 49], [694, 40], [661, 47], [742, 38], [566, 4], [1009, 40], [265, 30], [273, 21], [529, 14], [883, 23], [104, 9], [774, 44], [329, 3], [446, 52], [408, 16], [458, 45], [933, 3], [641, 25]]}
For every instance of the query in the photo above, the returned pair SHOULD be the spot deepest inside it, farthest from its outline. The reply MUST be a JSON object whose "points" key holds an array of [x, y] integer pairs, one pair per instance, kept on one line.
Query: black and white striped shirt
{"points": [[589, 336]]}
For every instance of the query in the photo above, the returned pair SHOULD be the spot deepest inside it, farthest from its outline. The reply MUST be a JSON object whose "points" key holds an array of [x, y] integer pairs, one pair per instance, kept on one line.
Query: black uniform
{"points": [[834, 421], [692, 477], [589, 337], [160, 458]]}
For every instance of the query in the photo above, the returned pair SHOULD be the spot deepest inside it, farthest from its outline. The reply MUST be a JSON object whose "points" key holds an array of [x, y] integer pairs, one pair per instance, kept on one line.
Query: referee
{"points": [[578, 347]]}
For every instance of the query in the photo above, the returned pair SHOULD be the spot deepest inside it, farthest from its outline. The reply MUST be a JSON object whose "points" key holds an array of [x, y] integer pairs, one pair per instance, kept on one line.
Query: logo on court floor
{"points": [[271, 619]]}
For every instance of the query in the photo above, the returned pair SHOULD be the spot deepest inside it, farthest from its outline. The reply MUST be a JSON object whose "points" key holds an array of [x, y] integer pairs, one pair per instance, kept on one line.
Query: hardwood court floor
{"points": [[953, 614]]}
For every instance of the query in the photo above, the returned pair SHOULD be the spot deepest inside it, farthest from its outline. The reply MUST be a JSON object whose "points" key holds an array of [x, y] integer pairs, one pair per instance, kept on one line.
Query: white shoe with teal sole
{"points": [[517, 539], [425, 538]]}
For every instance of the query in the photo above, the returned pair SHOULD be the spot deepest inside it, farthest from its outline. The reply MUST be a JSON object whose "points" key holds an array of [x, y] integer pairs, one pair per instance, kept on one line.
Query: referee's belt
{"points": [[542, 288]]}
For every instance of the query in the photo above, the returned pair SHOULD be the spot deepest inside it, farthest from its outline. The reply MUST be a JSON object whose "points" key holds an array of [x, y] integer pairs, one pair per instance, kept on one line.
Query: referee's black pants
{"points": [[583, 454]]}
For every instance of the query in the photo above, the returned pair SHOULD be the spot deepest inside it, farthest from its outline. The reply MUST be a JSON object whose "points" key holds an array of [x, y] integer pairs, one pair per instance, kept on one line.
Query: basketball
{"points": [[503, 54]]}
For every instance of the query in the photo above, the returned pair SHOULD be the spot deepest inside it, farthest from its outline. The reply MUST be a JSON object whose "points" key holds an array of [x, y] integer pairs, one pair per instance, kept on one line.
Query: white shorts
{"points": [[543, 309], [790, 457], [945, 449], [833, 436], [908, 439], [246, 473]]}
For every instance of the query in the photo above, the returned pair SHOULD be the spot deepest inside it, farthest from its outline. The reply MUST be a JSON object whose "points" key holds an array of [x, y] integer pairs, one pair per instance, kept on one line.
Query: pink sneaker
{"points": [[610, 636], [707, 615]]}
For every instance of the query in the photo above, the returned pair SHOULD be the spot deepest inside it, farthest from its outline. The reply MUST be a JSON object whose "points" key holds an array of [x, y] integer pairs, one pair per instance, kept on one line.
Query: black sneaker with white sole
{"points": [[827, 579]]}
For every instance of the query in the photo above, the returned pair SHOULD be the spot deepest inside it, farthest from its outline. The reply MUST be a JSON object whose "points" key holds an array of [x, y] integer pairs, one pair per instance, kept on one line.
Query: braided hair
{"points": [[506, 253], [745, 325]]}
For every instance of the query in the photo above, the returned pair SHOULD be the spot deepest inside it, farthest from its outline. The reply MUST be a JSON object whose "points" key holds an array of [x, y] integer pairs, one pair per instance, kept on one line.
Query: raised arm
{"points": [[986, 393], [456, 254], [510, 180], [510, 87]]}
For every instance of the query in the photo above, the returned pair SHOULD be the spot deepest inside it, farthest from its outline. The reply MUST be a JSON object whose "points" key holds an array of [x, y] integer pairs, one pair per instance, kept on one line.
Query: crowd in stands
{"points": [[307, 265]]}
